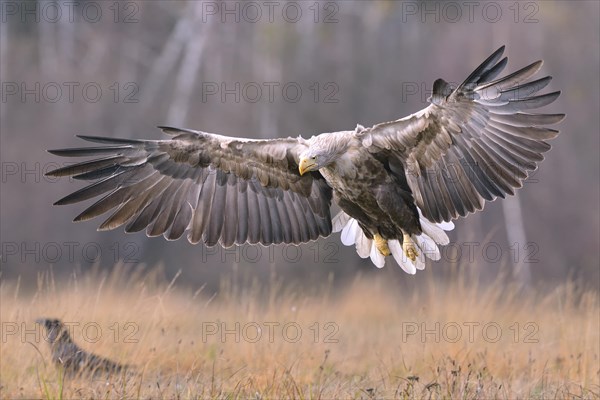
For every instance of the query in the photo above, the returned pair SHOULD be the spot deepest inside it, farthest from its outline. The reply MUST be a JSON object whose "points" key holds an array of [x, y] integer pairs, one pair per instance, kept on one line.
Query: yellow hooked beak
{"points": [[307, 164]]}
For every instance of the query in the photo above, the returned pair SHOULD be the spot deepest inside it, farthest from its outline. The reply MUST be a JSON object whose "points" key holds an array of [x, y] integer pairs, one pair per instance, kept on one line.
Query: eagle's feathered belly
{"points": [[371, 194]]}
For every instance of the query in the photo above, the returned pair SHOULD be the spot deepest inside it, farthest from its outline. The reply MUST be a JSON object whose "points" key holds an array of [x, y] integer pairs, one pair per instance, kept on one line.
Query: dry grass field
{"points": [[268, 340]]}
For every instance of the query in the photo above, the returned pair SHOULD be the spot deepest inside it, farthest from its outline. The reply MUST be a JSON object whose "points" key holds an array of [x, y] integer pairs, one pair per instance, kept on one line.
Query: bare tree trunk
{"points": [[168, 58], [129, 62], [66, 47], [3, 62], [270, 68], [511, 207], [186, 79], [66, 41], [517, 239], [47, 49]]}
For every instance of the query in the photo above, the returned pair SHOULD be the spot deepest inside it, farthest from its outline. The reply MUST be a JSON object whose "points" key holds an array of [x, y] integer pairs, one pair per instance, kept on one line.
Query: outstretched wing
{"points": [[473, 143], [221, 189]]}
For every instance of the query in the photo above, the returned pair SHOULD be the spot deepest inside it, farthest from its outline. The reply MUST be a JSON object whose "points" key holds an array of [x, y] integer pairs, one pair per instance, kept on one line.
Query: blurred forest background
{"points": [[276, 69]]}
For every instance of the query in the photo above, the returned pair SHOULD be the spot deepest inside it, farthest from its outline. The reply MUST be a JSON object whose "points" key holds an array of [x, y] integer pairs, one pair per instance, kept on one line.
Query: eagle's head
{"points": [[310, 160], [322, 150]]}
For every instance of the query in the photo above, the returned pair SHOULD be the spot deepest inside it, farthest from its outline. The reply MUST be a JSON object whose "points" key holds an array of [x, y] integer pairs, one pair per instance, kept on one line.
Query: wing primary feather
{"points": [[109, 140], [480, 181], [528, 132], [293, 218], [230, 224], [513, 162], [116, 198], [202, 212], [144, 217], [102, 173], [535, 146], [212, 233], [169, 206], [254, 217], [526, 104], [469, 196], [524, 157], [524, 119], [86, 166], [497, 166], [89, 151], [286, 225], [183, 216], [160, 215], [302, 219], [482, 68], [265, 217], [243, 217], [525, 90], [513, 79], [310, 219], [494, 71], [430, 193], [103, 186], [276, 223], [450, 177], [446, 205]]}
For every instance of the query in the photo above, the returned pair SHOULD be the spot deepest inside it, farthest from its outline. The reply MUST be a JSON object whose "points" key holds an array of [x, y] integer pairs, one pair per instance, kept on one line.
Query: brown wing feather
{"points": [[472, 144], [219, 189]]}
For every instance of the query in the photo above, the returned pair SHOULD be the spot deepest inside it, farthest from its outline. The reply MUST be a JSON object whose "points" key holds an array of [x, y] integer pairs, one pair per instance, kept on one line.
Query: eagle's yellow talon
{"points": [[382, 245], [409, 248]]}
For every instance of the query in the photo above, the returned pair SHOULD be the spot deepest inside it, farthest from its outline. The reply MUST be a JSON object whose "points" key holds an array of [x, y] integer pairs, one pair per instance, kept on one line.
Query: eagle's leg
{"points": [[409, 247], [381, 245]]}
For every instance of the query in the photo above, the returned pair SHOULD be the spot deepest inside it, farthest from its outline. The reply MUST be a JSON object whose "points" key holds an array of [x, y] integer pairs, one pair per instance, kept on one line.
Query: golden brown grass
{"points": [[493, 342]]}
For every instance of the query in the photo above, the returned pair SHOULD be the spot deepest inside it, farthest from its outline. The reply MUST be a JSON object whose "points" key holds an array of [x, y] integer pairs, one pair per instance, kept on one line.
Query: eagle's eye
{"points": [[314, 158]]}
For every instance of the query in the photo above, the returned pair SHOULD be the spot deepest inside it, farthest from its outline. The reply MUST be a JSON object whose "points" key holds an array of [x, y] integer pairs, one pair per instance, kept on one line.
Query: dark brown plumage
{"points": [[72, 359], [398, 183]]}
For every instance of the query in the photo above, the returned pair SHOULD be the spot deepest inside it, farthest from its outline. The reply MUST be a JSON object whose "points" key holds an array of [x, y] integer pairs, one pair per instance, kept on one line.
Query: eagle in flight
{"points": [[398, 184]]}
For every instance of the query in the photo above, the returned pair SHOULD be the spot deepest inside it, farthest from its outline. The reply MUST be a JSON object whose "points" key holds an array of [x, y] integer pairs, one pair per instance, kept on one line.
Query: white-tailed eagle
{"points": [[399, 184]]}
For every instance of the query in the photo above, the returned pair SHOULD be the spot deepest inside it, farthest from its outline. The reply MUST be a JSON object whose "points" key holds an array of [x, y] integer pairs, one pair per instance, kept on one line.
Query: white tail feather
{"points": [[339, 221], [435, 231], [427, 242], [398, 254], [377, 258], [447, 226], [437, 234], [427, 246], [349, 233], [421, 260], [363, 246]]}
